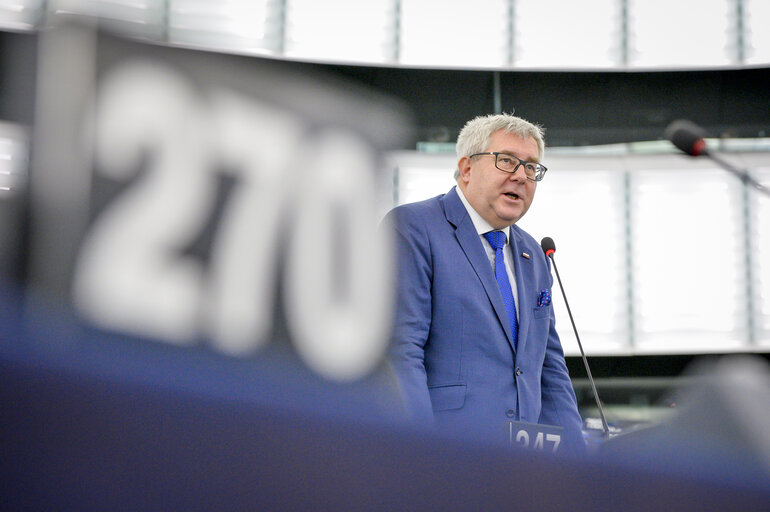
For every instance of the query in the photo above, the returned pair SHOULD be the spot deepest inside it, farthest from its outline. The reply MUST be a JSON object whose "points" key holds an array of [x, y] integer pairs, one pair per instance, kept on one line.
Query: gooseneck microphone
{"points": [[688, 137], [549, 247]]}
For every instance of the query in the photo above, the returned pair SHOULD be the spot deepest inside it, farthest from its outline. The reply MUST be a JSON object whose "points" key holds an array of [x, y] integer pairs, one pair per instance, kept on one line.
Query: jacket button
{"points": [[518, 371], [510, 413]]}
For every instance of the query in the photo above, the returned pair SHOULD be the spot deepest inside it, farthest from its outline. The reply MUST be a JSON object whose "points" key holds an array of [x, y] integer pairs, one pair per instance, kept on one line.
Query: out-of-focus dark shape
{"points": [[721, 429]]}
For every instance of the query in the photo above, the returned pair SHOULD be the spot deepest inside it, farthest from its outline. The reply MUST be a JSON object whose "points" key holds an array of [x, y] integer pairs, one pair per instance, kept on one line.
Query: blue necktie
{"points": [[497, 240]]}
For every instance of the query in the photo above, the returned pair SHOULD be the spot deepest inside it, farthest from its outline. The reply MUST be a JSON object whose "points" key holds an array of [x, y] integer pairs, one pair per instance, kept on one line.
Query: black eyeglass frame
{"points": [[538, 175]]}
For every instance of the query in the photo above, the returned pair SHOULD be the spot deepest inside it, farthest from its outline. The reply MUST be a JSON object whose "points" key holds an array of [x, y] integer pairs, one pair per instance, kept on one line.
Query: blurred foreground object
{"points": [[720, 430], [180, 432], [204, 200]]}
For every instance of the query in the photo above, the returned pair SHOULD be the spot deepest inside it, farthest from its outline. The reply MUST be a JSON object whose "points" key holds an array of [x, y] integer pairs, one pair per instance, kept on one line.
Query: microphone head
{"points": [[549, 247], [687, 136]]}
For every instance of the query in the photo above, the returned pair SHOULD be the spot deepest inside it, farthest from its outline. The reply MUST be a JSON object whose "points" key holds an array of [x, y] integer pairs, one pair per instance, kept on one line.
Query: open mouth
{"points": [[512, 195]]}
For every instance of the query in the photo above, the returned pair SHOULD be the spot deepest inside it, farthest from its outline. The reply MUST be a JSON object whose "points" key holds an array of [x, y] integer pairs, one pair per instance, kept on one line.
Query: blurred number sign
{"points": [[301, 215]]}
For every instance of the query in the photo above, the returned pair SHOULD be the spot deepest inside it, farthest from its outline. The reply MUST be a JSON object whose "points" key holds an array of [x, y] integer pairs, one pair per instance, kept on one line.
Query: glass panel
{"points": [[757, 36], [547, 35], [581, 208], [688, 263], [683, 33], [242, 25], [341, 30], [454, 33]]}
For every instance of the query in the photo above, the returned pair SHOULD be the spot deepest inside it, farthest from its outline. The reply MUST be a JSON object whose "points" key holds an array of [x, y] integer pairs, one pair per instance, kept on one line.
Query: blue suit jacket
{"points": [[452, 348]]}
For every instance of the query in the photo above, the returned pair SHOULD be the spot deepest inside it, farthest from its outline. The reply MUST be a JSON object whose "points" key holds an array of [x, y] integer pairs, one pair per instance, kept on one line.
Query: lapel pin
{"points": [[525, 255]]}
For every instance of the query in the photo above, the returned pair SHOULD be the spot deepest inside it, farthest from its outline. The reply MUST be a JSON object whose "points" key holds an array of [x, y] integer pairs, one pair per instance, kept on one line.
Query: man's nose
{"points": [[519, 174]]}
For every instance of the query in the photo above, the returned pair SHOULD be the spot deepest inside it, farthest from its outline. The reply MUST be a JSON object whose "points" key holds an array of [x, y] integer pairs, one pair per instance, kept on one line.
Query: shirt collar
{"points": [[479, 223]]}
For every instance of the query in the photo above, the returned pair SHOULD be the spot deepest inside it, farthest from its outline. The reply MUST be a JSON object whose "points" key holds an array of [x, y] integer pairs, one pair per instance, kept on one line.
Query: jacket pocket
{"points": [[449, 397], [542, 311]]}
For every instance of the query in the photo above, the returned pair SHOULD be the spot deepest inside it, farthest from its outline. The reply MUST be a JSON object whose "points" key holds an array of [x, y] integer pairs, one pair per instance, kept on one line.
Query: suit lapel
{"points": [[469, 241], [525, 283]]}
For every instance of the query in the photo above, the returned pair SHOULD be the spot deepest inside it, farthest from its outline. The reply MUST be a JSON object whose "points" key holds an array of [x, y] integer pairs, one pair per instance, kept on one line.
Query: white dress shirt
{"points": [[482, 227]]}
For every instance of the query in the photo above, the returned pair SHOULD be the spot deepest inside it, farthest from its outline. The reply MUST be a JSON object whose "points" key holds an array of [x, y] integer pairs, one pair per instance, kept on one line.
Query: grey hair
{"points": [[475, 135]]}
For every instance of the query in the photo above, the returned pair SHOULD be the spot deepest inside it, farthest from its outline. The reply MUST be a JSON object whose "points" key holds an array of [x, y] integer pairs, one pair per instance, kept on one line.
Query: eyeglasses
{"points": [[510, 163]]}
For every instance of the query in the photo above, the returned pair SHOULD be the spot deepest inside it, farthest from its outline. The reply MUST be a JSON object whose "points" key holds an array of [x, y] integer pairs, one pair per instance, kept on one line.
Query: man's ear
{"points": [[464, 165]]}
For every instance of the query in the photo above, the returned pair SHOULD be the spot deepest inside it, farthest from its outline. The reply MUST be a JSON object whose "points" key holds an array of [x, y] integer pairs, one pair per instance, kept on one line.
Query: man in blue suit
{"points": [[465, 359]]}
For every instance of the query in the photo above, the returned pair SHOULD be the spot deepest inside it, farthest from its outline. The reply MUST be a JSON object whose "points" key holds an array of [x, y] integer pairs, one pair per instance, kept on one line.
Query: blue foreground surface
{"points": [[97, 421]]}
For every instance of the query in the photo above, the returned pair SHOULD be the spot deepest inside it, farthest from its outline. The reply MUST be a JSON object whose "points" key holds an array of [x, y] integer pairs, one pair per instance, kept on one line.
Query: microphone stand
{"points": [[744, 176], [605, 426]]}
